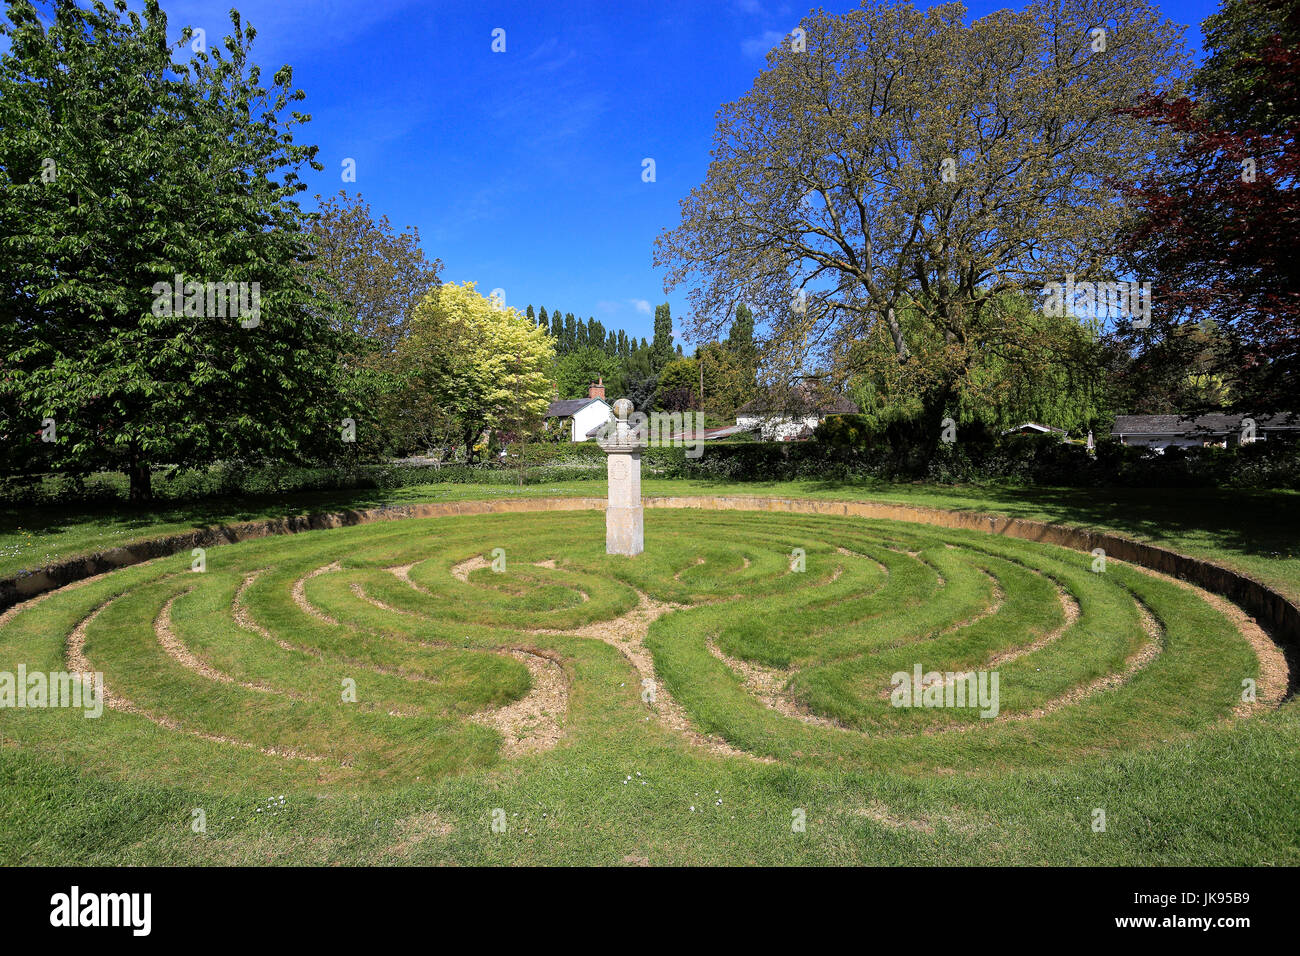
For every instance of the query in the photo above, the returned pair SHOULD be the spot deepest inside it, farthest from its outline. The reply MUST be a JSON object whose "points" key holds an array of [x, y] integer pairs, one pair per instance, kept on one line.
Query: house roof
{"points": [[1036, 427], [705, 434], [569, 406], [1213, 424], [798, 402], [726, 431]]}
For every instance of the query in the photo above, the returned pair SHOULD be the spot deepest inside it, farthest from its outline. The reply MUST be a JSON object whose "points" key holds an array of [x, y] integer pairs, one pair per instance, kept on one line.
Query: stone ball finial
{"points": [[622, 409]]}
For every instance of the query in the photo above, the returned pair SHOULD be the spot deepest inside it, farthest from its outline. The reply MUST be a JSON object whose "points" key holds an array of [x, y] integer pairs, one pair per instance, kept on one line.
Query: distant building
{"points": [[581, 417], [1218, 430], [1034, 428], [791, 416]]}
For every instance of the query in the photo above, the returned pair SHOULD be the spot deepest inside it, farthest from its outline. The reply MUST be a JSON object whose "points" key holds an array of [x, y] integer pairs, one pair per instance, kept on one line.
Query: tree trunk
{"points": [[935, 405], [141, 477], [471, 434]]}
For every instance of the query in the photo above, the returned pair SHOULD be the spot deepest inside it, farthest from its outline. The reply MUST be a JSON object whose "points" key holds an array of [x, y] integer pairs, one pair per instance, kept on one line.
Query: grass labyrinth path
{"points": [[240, 676]]}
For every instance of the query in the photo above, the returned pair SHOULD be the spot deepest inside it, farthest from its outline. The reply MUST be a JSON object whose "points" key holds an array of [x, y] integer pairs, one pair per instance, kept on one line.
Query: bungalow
{"points": [[791, 416], [1162, 431], [581, 417]]}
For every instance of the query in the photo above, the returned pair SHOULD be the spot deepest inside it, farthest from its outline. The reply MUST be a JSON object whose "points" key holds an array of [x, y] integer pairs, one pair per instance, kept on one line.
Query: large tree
{"points": [[679, 386], [1184, 370], [376, 274], [890, 158], [641, 381], [375, 277], [663, 340], [576, 371], [727, 379], [1219, 224], [124, 172]]}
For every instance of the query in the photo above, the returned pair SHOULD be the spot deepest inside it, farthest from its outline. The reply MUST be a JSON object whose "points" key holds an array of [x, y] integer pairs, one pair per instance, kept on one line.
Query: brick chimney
{"points": [[597, 390]]}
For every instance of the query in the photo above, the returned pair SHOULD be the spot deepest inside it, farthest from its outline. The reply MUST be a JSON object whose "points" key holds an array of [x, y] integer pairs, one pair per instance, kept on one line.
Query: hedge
{"points": [[1024, 460]]}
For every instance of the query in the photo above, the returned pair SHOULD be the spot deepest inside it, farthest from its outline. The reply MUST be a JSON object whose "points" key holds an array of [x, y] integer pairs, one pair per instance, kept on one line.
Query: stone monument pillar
{"points": [[624, 514]]}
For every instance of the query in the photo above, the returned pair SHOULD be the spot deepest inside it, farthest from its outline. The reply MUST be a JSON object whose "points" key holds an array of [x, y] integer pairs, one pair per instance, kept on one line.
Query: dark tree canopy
{"points": [[1219, 224]]}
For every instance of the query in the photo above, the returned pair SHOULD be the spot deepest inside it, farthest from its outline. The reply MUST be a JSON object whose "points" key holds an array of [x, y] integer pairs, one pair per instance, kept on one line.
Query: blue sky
{"points": [[522, 170]]}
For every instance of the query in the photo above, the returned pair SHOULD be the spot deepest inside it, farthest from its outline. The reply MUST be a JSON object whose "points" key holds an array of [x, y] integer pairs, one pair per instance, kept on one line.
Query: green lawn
{"points": [[521, 691], [1255, 531]]}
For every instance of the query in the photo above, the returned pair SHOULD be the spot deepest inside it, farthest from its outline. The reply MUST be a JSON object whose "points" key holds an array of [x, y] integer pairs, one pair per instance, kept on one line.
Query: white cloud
{"points": [[641, 305], [757, 46]]}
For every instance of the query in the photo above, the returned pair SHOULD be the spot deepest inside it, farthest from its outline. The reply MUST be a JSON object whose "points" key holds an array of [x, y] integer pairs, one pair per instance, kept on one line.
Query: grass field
{"points": [[1255, 531], [691, 705]]}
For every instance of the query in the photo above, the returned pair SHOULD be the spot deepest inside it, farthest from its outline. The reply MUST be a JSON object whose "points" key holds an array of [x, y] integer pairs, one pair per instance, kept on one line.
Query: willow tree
{"points": [[892, 161]]}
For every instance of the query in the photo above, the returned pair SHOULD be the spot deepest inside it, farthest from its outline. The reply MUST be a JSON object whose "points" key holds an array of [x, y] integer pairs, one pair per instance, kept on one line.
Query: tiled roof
{"points": [[1212, 424], [799, 402], [568, 406]]}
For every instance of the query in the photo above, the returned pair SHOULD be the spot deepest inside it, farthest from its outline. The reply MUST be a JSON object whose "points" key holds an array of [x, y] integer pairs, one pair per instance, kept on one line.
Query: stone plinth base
{"points": [[624, 530]]}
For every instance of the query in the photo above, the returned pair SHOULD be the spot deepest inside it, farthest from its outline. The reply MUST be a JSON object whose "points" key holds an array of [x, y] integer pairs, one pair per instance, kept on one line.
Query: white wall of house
{"points": [[587, 418], [777, 428]]}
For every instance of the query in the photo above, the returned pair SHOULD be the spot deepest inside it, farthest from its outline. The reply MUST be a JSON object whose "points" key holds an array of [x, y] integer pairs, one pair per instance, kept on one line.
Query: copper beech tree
{"points": [[1218, 225], [895, 176]]}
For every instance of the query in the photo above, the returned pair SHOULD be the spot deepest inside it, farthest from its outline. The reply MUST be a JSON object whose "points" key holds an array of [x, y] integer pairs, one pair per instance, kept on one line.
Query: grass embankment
{"points": [[1255, 532], [242, 701]]}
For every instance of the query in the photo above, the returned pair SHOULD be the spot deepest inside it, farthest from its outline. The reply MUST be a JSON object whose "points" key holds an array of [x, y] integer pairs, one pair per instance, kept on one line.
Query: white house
{"points": [[792, 416], [581, 416]]}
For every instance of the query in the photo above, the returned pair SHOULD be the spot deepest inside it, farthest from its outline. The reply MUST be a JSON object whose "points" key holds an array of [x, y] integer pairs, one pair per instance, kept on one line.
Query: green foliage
{"points": [[376, 277], [1233, 82], [472, 368], [587, 352], [680, 374], [156, 169], [662, 346], [730, 378], [1029, 367], [642, 383], [740, 339], [376, 274], [576, 370], [908, 159]]}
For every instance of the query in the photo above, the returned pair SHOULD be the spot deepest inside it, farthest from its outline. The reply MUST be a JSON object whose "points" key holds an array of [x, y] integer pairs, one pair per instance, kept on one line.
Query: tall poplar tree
{"points": [[663, 341]]}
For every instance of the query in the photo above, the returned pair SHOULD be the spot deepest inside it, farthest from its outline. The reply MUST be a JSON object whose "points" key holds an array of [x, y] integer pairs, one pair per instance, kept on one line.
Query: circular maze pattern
{"points": [[409, 650]]}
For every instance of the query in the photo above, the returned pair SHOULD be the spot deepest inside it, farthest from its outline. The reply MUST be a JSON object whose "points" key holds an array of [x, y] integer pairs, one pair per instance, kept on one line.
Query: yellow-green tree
{"points": [[480, 366]]}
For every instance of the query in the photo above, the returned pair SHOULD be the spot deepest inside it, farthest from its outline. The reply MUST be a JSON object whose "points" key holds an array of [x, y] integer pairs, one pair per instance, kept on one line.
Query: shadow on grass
{"points": [[1258, 524], [1264, 524]]}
